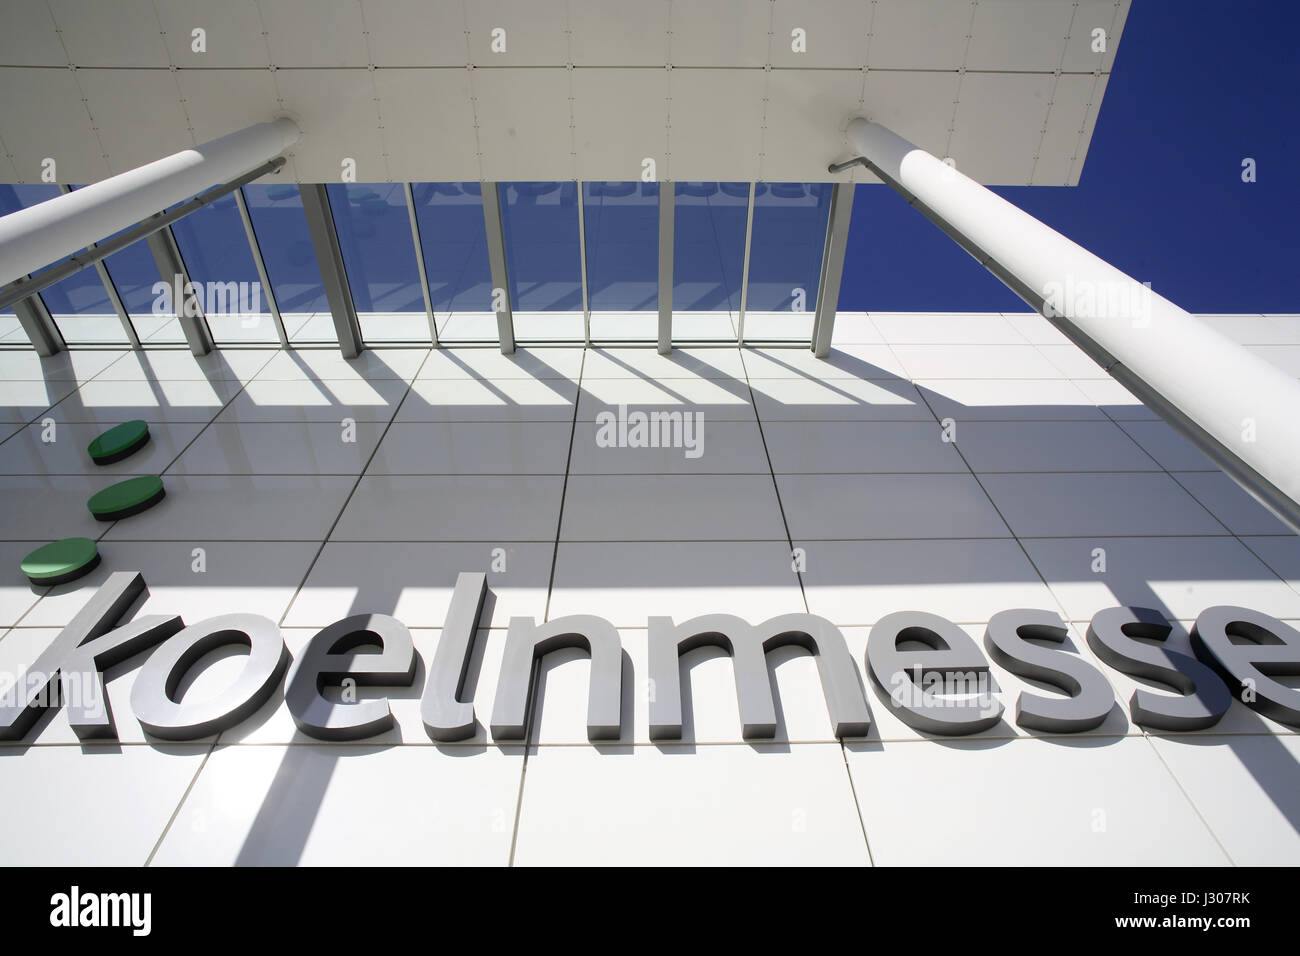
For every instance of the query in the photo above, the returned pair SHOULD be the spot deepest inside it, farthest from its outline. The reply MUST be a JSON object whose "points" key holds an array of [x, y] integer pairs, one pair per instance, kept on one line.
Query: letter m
{"points": [[748, 646]]}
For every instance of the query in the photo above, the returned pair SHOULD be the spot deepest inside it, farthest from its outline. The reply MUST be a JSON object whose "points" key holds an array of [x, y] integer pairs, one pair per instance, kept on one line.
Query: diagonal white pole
{"points": [[1241, 411], [59, 227]]}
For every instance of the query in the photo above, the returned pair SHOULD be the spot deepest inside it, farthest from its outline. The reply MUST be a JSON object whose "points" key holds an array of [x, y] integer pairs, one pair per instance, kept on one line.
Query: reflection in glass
{"points": [[622, 247], [454, 241], [374, 230], [214, 248], [290, 259], [540, 225], [708, 258], [785, 259], [622, 223], [134, 274]]}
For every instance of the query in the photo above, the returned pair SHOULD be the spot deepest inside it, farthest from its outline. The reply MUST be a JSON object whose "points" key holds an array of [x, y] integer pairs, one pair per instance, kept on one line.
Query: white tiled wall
{"points": [[464, 457]]}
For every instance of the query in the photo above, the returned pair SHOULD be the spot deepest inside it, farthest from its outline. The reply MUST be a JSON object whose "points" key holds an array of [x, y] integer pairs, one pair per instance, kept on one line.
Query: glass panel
{"points": [[454, 240], [374, 231], [215, 250], [708, 259], [540, 222], [622, 222], [282, 235], [82, 310], [785, 259], [141, 288], [79, 304]]}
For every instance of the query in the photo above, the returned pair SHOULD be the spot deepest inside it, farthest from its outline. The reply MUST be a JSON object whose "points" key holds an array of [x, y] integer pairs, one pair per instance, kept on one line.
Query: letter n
{"points": [[528, 642]]}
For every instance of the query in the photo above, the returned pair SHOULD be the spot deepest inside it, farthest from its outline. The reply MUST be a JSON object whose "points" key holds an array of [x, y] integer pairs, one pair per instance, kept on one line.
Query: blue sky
{"points": [[1196, 86]]}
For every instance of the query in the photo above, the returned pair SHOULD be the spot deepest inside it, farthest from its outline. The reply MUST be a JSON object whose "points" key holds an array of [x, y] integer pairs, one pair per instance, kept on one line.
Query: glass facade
{"points": [[785, 259], [622, 245], [539, 222], [549, 231], [214, 248], [290, 259], [140, 286], [454, 241], [622, 224], [709, 256], [374, 230]]}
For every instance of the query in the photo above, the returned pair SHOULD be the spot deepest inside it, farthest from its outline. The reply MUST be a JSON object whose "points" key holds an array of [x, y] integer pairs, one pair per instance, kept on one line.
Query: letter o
{"points": [[153, 696]]}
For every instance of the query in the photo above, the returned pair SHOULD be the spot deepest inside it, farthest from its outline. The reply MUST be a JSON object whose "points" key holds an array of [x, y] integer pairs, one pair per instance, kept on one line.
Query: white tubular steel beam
{"points": [[34, 237], [1237, 408]]}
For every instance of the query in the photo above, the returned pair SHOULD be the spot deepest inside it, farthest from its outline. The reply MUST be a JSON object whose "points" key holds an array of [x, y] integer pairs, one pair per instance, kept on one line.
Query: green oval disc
{"points": [[126, 498], [61, 561], [119, 442]]}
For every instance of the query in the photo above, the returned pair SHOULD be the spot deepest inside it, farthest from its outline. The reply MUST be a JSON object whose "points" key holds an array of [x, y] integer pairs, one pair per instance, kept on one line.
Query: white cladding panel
{"points": [[539, 89]]}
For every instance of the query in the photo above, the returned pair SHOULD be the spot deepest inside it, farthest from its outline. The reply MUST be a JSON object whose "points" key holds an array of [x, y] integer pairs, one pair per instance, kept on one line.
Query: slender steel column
{"points": [[496, 245], [38, 235], [667, 193], [419, 262], [1235, 407], [39, 326], [262, 276], [188, 309], [744, 269], [582, 263], [329, 257], [828, 287]]}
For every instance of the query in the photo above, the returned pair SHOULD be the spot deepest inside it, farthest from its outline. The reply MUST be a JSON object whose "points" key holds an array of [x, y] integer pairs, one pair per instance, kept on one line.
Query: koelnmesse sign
{"points": [[934, 673]]}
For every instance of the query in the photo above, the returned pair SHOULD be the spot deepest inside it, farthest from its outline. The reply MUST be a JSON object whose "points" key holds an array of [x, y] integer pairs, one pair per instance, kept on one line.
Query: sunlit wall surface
{"points": [[214, 248], [290, 259], [708, 257], [454, 241], [785, 259], [374, 229], [540, 226]]}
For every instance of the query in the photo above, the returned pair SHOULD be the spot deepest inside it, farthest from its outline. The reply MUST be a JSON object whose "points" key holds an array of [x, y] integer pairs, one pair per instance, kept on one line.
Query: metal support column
{"points": [[419, 263], [496, 245], [666, 196], [582, 264], [744, 269], [39, 326], [262, 276], [1237, 408], [828, 287], [329, 257], [168, 259]]}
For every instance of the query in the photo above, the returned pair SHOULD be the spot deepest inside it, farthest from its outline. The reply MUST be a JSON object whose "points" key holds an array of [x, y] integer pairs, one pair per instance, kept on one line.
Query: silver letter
{"points": [[333, 655], [153, 698], [527, 642], [748, 647]]}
